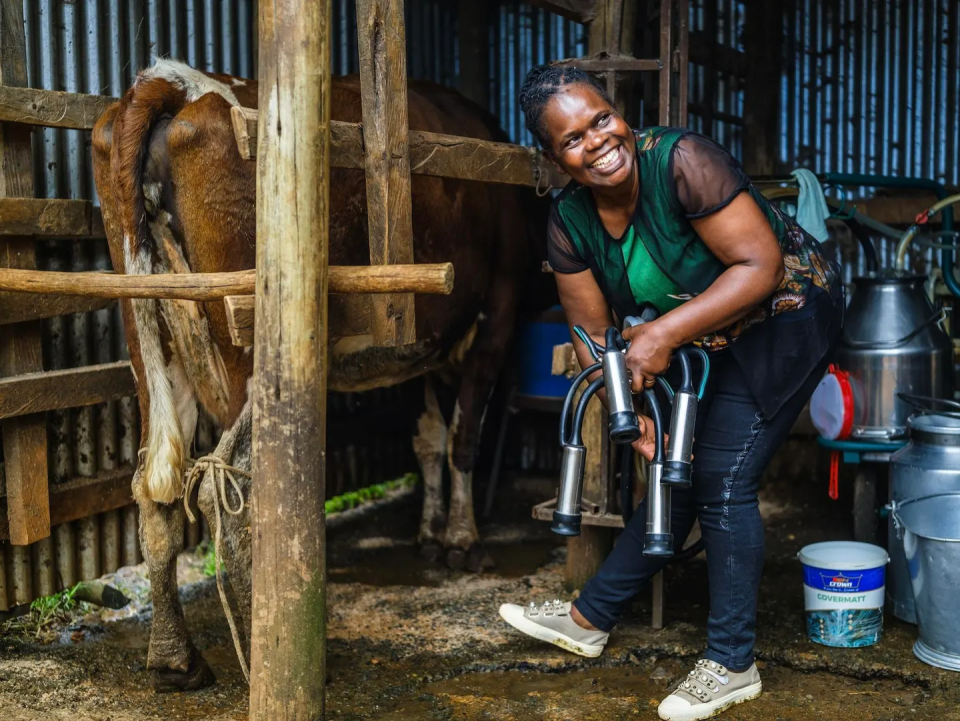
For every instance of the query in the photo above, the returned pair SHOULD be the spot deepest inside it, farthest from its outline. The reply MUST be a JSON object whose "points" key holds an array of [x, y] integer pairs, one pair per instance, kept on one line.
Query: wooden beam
{"points": [[50, 218], [71, 388], [21, 307], [704, 50], [473, 23], [349, 315], [612, 63], [432, 278], [51, 108], [288, 639], [82, 497], [24, 439], [436, 154], [761, 112], [580, 11], [381, 40]]}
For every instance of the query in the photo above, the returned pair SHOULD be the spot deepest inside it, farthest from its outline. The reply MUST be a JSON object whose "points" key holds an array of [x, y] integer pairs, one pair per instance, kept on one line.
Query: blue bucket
{"points": [[843, 592], [536, 341]]}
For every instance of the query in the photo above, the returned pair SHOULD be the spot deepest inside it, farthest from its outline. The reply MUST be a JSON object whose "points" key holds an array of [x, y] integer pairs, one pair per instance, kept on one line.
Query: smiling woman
{"points": [[666, 218]]}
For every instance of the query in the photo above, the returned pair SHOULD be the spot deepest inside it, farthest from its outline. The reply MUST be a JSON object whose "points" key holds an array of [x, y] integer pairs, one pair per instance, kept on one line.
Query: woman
{"points": [[667, 218]]}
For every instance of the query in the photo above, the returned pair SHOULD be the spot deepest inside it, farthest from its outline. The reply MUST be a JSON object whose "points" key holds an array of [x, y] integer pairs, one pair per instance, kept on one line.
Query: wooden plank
{"points": [[30, 393], [48, 218], [382, 47], [51, 108], [82, 497], [613, 63], [436, 154], [288, 639], [349, 315], [20, 307], [432, 278], [761, 114], [24, 439], [580, 11]]}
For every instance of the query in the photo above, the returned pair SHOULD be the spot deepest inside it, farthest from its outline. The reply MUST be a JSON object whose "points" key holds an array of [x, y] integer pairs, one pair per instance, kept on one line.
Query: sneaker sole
{"points": [[704, 710], [540, 633]]}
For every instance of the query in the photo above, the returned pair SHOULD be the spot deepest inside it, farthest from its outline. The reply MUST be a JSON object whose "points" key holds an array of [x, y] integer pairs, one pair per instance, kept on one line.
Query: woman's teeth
{"points": [[605, 159]]}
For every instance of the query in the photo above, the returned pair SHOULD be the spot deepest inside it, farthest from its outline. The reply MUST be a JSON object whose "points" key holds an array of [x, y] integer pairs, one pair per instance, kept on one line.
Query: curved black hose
{"points": [[595, 385], [686, 383], [568, 401], [657, 425], [869, 251], [687, 553], [626, 484]]}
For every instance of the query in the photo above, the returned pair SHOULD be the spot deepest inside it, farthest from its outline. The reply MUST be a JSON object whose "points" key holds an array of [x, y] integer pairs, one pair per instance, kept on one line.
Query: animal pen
{"points": [[294, 295], [69, 420]]}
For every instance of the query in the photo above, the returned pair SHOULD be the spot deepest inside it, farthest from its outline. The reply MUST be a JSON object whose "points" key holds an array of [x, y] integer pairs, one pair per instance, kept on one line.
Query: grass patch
{"points": [[44, 611], [337, 504], [352, 499]]}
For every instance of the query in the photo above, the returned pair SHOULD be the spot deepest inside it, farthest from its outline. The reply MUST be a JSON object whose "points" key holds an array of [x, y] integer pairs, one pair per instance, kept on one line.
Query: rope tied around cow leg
{"points": [[222, 472]]}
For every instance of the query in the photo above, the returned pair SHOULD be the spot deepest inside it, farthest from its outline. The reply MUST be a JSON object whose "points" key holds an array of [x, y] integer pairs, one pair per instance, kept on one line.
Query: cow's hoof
{"points": [[431, 551], [196, 677], [478, 559], [456, 559]]}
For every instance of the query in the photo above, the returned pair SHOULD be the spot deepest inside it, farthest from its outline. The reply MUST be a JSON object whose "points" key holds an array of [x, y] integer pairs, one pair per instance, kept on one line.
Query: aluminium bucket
{"points": [[930, 527], [843, 585]]}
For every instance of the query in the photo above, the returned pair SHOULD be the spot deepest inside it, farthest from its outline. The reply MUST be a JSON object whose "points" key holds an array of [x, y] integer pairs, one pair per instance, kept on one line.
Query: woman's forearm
{"points": [[737, 291]]}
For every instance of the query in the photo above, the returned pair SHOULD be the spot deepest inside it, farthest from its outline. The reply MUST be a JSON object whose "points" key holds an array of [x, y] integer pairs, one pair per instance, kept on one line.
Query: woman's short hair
{"points": [[541, 84]]}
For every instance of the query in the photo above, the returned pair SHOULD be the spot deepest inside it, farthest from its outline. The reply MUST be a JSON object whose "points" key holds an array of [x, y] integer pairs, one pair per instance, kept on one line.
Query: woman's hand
{"points": [[648, 355], [646, 444]]}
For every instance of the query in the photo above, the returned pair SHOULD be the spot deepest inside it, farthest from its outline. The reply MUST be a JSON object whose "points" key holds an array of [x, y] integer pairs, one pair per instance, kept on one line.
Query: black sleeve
{"points": [[706, 176], [562, 254]]}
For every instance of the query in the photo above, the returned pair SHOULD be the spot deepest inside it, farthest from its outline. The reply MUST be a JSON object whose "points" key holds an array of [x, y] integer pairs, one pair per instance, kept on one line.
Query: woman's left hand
{"points": [[648, 355]]}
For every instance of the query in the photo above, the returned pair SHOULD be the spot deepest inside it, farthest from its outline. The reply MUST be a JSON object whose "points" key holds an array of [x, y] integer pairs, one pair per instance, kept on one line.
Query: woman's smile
{"points": [[610, 162]]}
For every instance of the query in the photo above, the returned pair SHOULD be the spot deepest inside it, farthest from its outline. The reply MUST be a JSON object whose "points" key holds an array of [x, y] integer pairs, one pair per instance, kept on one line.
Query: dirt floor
{"points": [[412, 641]]}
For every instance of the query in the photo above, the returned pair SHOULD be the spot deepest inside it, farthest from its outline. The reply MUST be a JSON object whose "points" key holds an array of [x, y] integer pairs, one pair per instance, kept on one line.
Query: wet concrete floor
{"points": [[411, 640]]}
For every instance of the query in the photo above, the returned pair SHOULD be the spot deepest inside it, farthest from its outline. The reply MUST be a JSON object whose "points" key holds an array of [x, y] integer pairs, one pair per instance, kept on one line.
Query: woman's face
{"points": [[588, 139]]}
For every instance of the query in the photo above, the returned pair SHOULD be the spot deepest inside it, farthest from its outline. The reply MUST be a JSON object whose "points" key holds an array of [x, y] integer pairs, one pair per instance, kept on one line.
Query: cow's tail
{"points": [[161, 90]]}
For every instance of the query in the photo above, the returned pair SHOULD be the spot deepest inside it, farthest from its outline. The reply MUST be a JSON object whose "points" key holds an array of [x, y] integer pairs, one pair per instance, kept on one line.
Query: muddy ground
{"points": [[412, 641]]}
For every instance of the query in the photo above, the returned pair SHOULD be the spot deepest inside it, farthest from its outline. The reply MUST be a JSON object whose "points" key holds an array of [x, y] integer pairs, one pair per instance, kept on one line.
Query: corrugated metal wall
{"points": [[871, 87]]}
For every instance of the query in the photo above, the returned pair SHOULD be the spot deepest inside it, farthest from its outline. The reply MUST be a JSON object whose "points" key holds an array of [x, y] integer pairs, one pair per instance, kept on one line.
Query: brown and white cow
{"points": [[177, 197]]}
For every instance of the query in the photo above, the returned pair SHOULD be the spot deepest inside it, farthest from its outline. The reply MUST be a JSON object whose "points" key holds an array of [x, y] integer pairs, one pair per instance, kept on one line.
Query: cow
{"points": [[176, 197]]}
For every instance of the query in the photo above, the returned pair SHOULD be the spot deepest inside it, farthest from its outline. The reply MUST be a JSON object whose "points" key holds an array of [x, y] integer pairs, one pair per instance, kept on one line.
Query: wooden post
{"points": [[24, 438], [288, 658], [383, 91]]}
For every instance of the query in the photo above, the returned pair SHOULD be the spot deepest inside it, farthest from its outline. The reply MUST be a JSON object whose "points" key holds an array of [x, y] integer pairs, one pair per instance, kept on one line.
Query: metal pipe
{"points": [[658, 539], [567, 515], [677, 468]]}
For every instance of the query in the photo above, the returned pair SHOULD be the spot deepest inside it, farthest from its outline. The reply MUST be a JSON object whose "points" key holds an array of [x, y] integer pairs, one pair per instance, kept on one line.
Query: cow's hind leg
{"points": [[172, 658], [430, 445]]}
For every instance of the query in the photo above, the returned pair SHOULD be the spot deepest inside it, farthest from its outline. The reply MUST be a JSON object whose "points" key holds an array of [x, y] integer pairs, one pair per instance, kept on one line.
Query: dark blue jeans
{"points": [[732, 448]]}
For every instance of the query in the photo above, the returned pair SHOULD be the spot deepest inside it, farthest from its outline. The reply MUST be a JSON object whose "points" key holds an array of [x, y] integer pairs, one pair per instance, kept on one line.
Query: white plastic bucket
{"points": [[843, 592]]}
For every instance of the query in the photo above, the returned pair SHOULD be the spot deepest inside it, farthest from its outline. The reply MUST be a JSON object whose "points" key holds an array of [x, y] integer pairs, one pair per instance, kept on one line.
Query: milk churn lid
{"points": [[937, 423]]}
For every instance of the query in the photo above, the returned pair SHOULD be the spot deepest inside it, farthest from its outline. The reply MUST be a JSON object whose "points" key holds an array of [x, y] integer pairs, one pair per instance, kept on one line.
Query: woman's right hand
{"points": [[646, 444]]}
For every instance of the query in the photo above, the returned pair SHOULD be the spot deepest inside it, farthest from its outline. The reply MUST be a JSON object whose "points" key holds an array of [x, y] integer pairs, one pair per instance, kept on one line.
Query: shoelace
{"points": [[548, 609], [704, 680]]}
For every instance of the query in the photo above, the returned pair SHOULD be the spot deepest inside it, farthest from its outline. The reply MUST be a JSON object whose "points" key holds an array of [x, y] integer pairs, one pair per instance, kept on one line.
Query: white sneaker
{"points": [[708, 690], [552, 623]]}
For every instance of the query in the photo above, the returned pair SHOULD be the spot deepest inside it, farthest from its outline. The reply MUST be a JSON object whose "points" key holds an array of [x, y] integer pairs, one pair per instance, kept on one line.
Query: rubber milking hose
{"points": [[568, 401], [594, 349], [705, 358], [657, 425], [595, 385], [686, 383]]}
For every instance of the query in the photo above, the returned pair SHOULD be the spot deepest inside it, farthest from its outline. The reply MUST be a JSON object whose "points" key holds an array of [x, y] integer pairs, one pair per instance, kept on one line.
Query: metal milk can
{"points": [[892, 343], [929, 464]]}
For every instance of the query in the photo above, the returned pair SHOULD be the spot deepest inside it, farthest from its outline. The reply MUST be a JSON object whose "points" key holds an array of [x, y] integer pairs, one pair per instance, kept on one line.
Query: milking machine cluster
{"points": [[670, 468]]}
